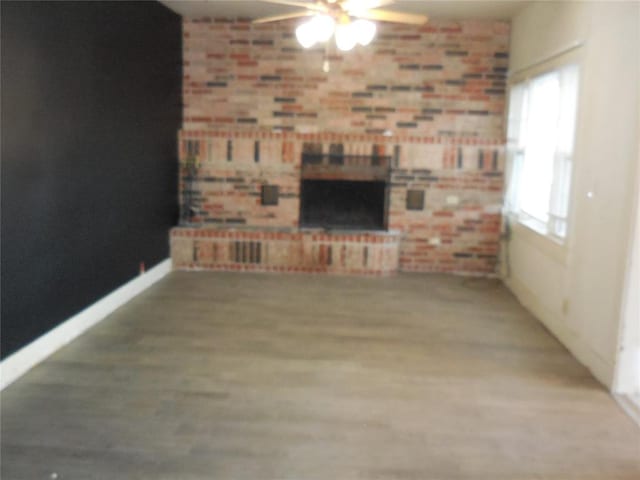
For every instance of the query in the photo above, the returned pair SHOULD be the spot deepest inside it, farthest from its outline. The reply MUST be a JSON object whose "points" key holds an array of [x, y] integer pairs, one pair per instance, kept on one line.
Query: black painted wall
{"points": [[90, 113]]}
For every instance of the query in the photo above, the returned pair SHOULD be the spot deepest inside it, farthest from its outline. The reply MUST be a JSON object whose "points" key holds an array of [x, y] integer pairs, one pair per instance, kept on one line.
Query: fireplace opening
{"points": [[343, 204]]}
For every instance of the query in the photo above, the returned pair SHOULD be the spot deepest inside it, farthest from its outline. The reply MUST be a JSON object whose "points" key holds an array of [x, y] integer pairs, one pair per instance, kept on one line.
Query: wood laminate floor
{"points": [[247, 376]]}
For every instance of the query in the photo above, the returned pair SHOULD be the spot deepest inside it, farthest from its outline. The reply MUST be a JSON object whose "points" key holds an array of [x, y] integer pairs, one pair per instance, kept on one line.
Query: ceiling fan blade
{"points": [[284, 16], [291, 3], [362, 5], [395, 17]]}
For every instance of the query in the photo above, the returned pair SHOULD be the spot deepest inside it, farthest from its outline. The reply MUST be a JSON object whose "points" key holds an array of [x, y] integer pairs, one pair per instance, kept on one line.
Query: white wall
{"points": [[627, 380], [576, 289]]}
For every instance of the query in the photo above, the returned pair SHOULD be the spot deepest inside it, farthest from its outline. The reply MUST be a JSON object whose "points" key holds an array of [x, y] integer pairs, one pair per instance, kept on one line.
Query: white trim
{"points": [[630, 405], [601, 369], [627, 379], [545, 243], [17, 364], [570, 54]]}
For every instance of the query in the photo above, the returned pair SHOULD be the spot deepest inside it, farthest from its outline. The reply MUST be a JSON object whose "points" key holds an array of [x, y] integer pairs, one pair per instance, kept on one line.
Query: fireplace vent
{"points": [[323, 254], [245, 252]]}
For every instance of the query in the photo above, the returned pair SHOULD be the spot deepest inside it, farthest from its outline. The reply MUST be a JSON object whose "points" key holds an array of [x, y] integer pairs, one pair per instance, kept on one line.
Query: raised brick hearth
{"points": [[421, 110], [265, 250]]}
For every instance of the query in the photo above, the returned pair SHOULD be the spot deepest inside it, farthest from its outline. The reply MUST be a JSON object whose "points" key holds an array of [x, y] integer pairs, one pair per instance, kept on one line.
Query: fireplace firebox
{"points": [[343, 204]]}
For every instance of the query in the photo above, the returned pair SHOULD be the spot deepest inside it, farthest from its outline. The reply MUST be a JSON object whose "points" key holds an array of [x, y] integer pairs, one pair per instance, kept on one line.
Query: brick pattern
{"points": [[294, 252], [422, 107], [441, 79], [462, 179], [228, 187], [459, 228]]}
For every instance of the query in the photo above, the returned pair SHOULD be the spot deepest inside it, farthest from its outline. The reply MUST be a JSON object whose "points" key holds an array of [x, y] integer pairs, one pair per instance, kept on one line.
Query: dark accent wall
{"points": [[90, 110]]}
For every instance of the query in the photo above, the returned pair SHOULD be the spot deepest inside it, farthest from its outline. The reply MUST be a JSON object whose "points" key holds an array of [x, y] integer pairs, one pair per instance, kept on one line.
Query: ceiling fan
{"points": [[349, 20]]}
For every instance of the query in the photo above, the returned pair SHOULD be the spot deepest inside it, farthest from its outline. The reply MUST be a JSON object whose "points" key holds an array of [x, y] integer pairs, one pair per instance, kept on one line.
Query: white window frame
{"points": [[556, 224]]}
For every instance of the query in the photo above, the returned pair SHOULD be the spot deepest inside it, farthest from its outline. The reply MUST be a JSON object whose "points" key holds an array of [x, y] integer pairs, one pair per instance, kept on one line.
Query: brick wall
{"points": [[445, 78], [431, 97]]}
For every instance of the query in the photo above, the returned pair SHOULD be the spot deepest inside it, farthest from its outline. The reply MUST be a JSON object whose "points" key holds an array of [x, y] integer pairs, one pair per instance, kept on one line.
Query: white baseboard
{"points": [[627, 379], [631, 405], [599, 367], [19, 363]]}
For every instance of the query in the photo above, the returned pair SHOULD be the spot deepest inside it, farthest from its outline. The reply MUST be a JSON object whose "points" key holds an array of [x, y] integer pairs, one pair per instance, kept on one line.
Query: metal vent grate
{"points": [[246, 252]]}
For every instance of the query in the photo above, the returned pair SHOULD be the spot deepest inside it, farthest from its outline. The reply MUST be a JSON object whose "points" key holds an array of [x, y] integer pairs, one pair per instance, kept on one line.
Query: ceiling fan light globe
{"points": [[365, 31], [306, 35], [323, 27], [346, 37]]}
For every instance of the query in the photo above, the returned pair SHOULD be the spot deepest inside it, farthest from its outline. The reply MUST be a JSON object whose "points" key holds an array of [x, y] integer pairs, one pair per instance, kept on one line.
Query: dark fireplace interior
{"points": [[341, 204]]}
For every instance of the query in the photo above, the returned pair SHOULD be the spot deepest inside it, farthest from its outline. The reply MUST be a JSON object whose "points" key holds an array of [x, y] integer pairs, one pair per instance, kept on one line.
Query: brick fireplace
{"points": [[392, 161], [342, 189], [343, 204]]}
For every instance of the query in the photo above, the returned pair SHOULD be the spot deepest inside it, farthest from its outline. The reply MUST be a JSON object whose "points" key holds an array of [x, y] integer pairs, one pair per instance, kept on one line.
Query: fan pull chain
{"points": [[326, 67]]}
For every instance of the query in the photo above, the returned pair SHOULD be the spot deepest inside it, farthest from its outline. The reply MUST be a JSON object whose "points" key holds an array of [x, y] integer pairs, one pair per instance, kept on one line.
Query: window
{"points": [[541, 128]]}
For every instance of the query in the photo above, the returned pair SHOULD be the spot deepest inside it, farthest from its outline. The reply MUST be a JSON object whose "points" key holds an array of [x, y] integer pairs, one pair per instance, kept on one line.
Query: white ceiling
{"points": [[454, 9]]}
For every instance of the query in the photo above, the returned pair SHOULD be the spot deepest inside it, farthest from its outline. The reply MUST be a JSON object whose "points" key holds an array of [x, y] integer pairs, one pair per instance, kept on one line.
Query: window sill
{"points": [[530, 232]]}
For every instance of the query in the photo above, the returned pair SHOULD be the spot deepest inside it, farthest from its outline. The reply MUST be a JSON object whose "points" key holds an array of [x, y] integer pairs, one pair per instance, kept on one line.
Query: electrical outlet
{"points": [[434, 241], [453, 200]]}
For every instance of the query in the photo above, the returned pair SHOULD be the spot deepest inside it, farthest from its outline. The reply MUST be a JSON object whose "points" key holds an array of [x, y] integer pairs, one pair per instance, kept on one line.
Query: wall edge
{"points": [[20, 362], [597, 366]]}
